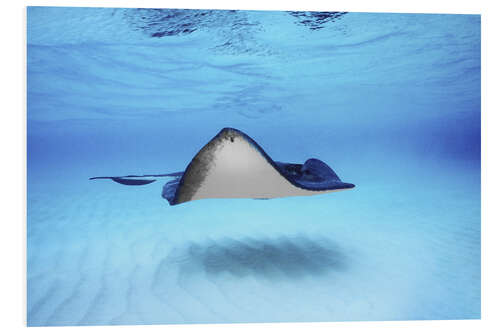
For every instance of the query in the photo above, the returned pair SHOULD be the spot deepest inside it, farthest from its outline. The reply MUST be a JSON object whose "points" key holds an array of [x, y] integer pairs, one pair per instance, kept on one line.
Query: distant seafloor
{"points": [[390, 101]]}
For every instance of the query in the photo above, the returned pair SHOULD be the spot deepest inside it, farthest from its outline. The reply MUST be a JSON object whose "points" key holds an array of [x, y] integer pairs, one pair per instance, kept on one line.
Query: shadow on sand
{"points": [[273, 258]]}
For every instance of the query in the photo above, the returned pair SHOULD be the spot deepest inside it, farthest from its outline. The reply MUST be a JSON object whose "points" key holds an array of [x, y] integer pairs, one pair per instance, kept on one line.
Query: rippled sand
{"points": [[100, 253]]}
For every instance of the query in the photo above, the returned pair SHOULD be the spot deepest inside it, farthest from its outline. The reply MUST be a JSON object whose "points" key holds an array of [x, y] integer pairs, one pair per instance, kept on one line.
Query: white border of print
{"points": [[13, 141]]}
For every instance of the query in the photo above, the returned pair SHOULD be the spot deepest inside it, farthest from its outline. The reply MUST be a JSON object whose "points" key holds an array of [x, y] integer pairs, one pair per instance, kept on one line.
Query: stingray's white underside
{"points": [[239, 170]]}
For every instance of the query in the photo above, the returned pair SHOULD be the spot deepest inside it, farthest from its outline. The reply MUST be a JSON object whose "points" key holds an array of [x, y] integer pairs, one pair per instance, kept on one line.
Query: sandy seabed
{"points": [[102, 254]]}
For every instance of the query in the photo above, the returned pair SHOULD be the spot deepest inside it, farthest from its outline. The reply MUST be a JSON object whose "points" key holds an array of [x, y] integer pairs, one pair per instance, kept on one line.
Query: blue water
{"points": [[390, 101]]}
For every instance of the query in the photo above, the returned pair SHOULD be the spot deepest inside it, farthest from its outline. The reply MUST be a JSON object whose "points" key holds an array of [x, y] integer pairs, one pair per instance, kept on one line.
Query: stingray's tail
{"points": [[132, 179]]}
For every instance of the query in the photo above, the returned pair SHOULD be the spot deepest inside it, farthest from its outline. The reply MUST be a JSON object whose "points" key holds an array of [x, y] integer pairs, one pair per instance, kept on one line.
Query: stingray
{"points": [[233, 165]]}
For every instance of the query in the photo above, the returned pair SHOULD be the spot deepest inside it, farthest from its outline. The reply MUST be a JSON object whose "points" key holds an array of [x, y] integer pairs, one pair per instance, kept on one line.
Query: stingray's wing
{"points": [[133, 179]]}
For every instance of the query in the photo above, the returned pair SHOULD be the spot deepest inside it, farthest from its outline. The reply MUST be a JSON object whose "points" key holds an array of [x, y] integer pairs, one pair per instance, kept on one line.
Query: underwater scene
{"points": [[383, 108]]}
